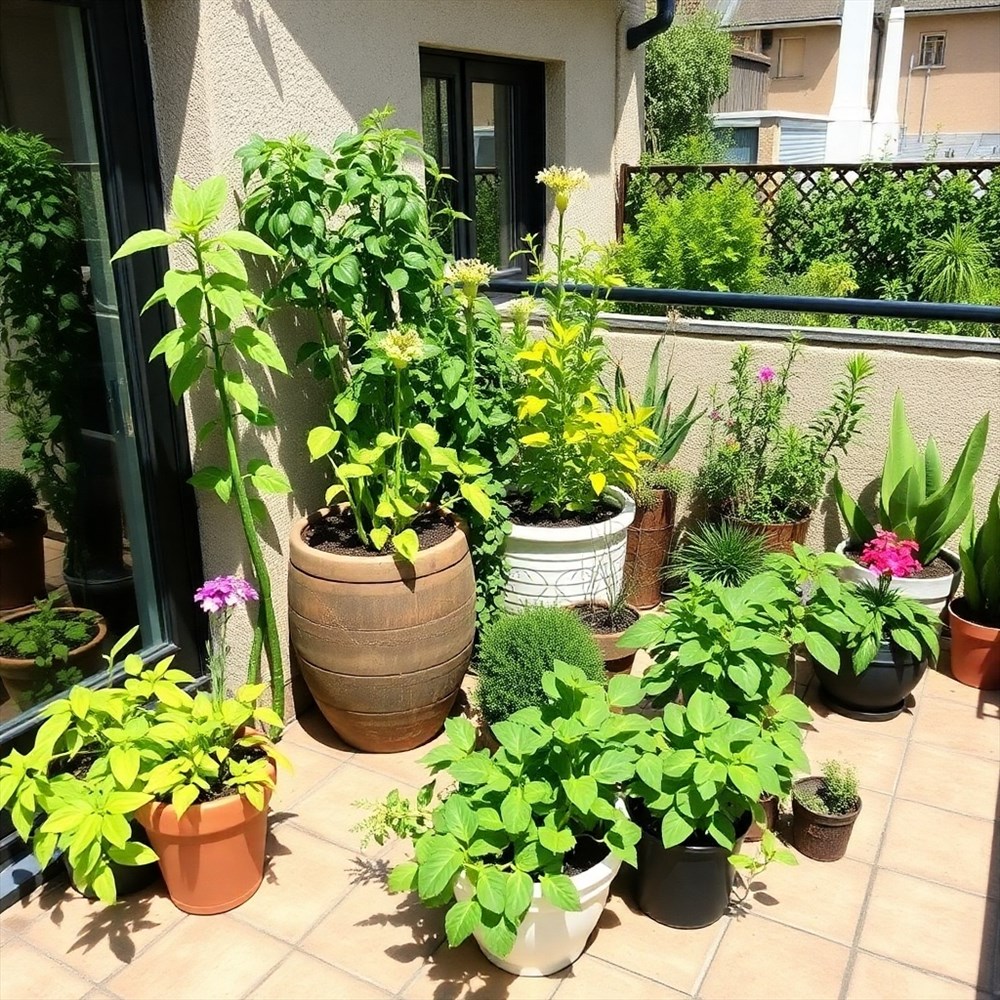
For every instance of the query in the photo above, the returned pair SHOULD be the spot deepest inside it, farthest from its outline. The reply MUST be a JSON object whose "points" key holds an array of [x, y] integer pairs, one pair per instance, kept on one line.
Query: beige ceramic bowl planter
{"points": [[382, 644]]}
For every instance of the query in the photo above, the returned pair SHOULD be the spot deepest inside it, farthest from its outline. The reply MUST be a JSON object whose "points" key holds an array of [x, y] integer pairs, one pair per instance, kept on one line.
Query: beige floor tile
{"points": [[304, 878], [98, 940], [762, 959], [329, 811], [26, 974], [869, 827], [942, 847], [387, 935], [950, 780], [19, 915], [953, 726], [402, 766], [302, 977], [309, 769], [876, 756], [591, 978], [313, 732], [628, 938], [824, 717], [875, 977], [464, 972], [789, 893], [941, 684], [200, 957], [929, 926]]}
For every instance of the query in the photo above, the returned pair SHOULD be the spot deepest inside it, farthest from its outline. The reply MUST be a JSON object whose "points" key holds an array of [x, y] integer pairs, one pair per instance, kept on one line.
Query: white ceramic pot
{"points": [[550, 939], [933, 592], [568, 565]]}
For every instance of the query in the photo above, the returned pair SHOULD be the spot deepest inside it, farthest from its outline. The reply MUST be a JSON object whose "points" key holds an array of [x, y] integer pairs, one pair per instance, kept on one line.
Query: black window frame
{"points": [[527, 81], [122, 97]]}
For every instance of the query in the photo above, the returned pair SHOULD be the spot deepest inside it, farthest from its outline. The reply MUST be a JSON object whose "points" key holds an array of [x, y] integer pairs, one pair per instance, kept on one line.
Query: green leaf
{"points": [[477, 498], [461, 732], [520, 892], [210, 196], [556, 841], [407, 544], [581, 791], [701, 712], [397, 280], [321, 441], [745, 779], [247, 242], [104, 886], [301, 213], [474, 770], [187, 371], [403, 878], [124, 764], [461, 920], [823, 651], [145, 240], [132, 854], [624, 690], [858, 526], [213, 478], [459, 818], [439, 867], [183, 797], [646, 632], [515, 812], [675, 829], [612, 767], [268, 479], [125, 803], [491, 890], [498, 935], [260, 347], [792, 709], [560, 891]]}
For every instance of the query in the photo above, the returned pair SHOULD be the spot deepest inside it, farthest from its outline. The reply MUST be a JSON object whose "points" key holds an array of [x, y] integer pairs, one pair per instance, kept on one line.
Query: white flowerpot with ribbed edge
{"points": [[550, 939], [933, 592], [568, 565]]}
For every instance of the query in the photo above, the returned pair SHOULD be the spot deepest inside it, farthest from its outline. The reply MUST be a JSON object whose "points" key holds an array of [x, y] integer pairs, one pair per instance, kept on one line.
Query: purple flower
{"points": [[765, 375], [224, 592], [715, 416]]}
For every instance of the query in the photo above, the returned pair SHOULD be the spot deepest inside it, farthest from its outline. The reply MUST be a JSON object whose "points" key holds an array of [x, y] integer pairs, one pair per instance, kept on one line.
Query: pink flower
{"points": [[715, 416], [889, 555], [224, 592], [765, 375]]}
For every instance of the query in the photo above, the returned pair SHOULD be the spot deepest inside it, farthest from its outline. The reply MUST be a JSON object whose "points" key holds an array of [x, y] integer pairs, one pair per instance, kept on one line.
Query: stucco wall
{"points": [[964, 94], [813, 91], [224, 69]]}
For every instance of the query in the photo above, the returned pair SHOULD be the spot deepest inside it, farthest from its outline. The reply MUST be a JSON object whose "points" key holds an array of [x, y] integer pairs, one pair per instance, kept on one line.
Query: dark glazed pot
{"points": [[686, 886], [22, 564], [820, 836], [877, 694]]}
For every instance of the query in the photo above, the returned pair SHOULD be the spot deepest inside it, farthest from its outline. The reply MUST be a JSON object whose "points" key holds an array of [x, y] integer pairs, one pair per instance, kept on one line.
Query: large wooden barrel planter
{"points": [[383, 645], [649, 537], [778, 537]]}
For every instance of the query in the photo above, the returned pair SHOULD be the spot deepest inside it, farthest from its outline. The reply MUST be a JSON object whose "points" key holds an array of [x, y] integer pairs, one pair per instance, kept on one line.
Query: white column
{"points": [[848, 137], [885, 130]]}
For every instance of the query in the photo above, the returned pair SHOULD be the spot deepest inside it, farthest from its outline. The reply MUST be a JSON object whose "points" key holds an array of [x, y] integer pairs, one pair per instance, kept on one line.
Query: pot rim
{"points": [[617, 524], [936, 587], [16, 663], [977, 629], [603, 604], [769, 524], [745, 821], [838, 819]]}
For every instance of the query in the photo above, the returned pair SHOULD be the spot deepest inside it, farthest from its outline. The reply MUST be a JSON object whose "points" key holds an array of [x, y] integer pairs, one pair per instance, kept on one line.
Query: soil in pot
{"points": [[878, 693], [521, 513], [608, 627], [935, 569], [382, 644], [819, 835], [687, 886], [975, 649], [22, 563]]}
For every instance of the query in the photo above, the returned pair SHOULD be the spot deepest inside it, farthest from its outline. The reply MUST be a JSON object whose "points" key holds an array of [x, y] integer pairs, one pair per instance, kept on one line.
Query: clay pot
{"points": [[778, 537], [23, 677], [647, 546], [212, 857], [383, 645], [818, 835], [22, 563], [616, 660], [756, 831], [975, 649]]}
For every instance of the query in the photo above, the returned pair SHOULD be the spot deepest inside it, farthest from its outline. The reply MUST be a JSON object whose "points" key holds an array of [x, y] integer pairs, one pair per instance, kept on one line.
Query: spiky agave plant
{"points": [[953, 267]]}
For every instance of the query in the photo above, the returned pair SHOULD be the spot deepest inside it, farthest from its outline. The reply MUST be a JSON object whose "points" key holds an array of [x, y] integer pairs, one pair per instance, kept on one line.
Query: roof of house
{"points": [[947, 6], [737, 14]]}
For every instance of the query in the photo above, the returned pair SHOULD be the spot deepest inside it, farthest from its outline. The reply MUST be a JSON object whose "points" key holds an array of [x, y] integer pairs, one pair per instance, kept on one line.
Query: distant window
{"points": [[791, 57], [931, 50]]}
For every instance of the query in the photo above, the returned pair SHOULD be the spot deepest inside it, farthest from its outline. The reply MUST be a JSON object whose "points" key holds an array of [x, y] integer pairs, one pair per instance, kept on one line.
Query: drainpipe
{"points": [[885, 128], [656, 25]]}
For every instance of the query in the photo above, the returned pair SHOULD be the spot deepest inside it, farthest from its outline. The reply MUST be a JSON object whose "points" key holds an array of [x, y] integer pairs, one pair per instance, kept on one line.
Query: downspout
{"points": [[656, 25], [879, 55]]}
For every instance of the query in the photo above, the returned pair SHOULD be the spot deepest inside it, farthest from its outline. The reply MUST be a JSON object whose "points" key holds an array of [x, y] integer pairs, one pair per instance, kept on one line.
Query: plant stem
{"points": [[470, 346]]}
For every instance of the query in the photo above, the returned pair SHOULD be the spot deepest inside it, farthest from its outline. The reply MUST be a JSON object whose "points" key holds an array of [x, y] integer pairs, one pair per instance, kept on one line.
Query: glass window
{"points": [[932, 50], [791, 57]]}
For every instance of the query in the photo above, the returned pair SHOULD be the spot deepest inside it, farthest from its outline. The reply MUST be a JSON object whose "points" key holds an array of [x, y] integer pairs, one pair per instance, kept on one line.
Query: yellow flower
{"points": [[562, 182], [468, 273], [520, 311], [402, 346]]}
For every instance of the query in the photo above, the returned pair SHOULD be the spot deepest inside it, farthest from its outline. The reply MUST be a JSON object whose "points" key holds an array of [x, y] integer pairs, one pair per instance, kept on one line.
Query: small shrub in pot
{"points": [[824, 810]]}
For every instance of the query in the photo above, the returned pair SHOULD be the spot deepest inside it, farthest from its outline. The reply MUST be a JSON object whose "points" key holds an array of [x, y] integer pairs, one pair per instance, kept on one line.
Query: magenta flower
{"points": [[715, 416], [889, 555], [224, 592], [765, 375]]}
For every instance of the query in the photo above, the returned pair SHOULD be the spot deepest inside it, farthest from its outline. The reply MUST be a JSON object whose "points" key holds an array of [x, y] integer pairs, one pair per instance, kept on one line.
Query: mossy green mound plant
{"points": [[837, 795]]}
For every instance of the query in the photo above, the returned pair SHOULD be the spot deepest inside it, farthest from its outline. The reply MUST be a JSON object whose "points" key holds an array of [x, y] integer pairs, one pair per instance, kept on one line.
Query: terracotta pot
{"points": [[23, 677], [382, 644], [778, 537], [975, 649], [649, 538], [818, 835], [22, 563], [756, 831], [616, 660], [212, 857]]}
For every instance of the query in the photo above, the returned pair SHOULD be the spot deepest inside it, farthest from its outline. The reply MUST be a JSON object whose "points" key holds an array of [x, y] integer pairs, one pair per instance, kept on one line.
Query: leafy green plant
{"points": [[837, 795], [670, 480], [914, 501], [727, 553], [516, 650], [18, 500], [759, 467], [834, 277], [979, 553], [211, 299], [511, 819], [953, 267]]}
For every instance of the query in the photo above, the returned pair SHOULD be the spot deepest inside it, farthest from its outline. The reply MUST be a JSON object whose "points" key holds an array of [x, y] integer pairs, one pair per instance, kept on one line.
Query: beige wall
{"points": [[224, 69], [963, 95], [812, 92]]}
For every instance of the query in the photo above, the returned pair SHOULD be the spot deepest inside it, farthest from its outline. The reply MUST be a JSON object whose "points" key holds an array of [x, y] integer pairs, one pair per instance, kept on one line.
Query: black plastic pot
{"points": [[686, 886], [879, 692]]}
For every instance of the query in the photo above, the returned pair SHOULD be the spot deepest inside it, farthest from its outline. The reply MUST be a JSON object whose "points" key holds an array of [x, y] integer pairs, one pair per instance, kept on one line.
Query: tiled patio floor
{"points": [[911, 912]]}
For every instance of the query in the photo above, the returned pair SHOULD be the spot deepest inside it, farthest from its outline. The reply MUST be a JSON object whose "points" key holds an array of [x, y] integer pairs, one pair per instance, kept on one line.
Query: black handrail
{"points": [[895, 309]]}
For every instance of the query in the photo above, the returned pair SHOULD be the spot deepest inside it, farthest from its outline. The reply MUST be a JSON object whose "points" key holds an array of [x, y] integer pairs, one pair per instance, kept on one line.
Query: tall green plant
{"points": [[953, 267], [979, 552], [212, 299], [914, 501]]}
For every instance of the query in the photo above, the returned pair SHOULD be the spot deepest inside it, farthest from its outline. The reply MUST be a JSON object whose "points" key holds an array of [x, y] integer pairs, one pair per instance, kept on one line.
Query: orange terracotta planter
{"points": [[778, 537], [22, 564], [647, 547], [975, 650], [212, 857]]}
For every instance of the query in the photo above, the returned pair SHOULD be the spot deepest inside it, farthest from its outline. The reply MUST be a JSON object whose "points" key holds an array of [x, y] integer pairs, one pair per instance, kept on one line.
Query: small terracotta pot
{"points": [[212, 857], [770, 806], [616, 660], [22, 677], [818, 835], [646, 550], [22, 563], [975, 649], [778, 537]]}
